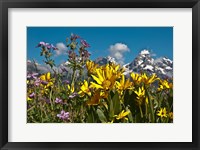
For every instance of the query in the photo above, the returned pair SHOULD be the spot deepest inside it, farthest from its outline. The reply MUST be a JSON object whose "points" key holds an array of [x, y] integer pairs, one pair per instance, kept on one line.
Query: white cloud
{"points": [[62, 49], [117, 51]]}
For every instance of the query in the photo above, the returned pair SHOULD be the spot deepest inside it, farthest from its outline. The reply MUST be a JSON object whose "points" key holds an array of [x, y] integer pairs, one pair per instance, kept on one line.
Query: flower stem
{"points": [[141, 113], [73, 76]]}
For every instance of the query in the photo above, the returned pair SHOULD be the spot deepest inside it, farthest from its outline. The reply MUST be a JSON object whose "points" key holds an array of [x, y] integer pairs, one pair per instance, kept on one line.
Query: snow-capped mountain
{"points": [[144, 62], [105, 60]]}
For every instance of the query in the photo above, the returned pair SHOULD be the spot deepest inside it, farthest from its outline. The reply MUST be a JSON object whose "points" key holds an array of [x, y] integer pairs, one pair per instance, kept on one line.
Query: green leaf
{"points": [[130, 117], [116, 104], [101, 115], [111, 109], [90, 117]]}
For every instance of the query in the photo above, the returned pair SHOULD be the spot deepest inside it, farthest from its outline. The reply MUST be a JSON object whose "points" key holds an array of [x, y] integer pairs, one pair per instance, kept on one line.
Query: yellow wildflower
{"points": [[110, 121], [84, 89], [162, 112], [136, 78], [123, 85], [122, 115], [91, 67], [117, 71], [170, 115], [95, 100], [164, 84], [105, 78], [70, 88], [46, 80], [141, 95], [149, 80], [30, 94]]}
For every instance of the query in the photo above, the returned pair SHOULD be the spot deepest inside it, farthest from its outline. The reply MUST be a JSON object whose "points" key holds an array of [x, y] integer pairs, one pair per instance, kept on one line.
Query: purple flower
{"points": [[37, 82], [66, 82], [31, 95], [47, 101], [71, 55], [40, 44], [53, 47], [58, 100], [32, 75], [84, 43], [74, 36], [48, 46], [85, 54], [63, 115], [73, 95], [44, 82]]}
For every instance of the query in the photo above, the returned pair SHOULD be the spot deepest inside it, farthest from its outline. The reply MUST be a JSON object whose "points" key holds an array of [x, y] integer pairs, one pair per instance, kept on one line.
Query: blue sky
{"points": [[124, 43]]}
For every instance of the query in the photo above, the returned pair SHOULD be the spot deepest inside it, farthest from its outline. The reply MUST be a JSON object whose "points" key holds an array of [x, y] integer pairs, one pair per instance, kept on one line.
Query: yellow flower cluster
{"points": [[107, 79], [111, 77]]}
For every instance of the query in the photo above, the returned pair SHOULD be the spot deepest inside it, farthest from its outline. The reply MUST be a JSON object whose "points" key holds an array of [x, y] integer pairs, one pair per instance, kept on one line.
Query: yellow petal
{"points": [[99, 75], [94, 85], [126, 113], [85, 83], [48, 76], [42, 77], [98, 80]]}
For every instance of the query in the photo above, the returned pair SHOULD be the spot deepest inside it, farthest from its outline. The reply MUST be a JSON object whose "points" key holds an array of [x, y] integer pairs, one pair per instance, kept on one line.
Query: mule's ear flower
{"points": [[91, 67], [162, 112], [149, 80], [170, 115], [95, 100], [141, 96], [105, 78], [136, 78], [123, 85], [164, 84], [84, 89], [122, 115], [46, 77]]}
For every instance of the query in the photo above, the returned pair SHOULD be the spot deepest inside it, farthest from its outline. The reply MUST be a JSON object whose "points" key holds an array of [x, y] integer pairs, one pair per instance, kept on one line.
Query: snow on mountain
{"points": [[144, 62], [144, 52], [148, 67], [105, 60]]}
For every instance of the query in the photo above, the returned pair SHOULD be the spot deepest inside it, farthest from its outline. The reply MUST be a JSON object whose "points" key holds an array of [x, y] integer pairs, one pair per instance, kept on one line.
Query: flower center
{"points": [[106, 84]]}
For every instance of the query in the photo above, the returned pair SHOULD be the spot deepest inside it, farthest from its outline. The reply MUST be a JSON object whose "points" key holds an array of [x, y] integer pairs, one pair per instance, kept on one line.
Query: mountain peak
{"points": [[144, 62], [145, 52], [105, 60]]}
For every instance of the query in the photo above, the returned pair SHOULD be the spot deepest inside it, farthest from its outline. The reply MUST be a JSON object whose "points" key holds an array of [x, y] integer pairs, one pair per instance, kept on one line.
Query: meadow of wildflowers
{"points": [[100, 94]]}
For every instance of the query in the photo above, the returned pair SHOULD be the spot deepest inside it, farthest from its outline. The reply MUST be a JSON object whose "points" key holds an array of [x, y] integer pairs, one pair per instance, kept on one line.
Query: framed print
{"points": [[101, 75]]}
